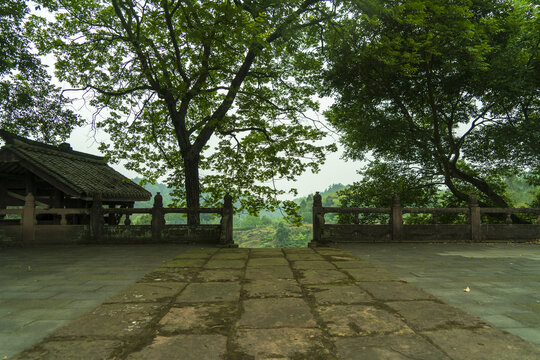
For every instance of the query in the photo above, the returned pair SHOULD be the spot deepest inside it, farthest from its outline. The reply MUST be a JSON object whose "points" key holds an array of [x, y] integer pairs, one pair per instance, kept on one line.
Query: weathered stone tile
{"points": [[339, 294], [395, 290], [195, 254], [230, 256], [189, 347], [202, 317], [234, 250], [265, 252], [148, 292], [354, 264], [70, 349], [332, 252], [322, 277], [276, 312], [482, 344], [170, 274], [285, 343], [398, 347], [219, 275], [205, 251], [269, 272], [426, 315], [343, 257], [270, 261], [185, 263], [112, 321], [210, 292], [272, 288], [372, 274], [352, 320], [225, 264], [304, 256], [298, 251], [312, 265]]}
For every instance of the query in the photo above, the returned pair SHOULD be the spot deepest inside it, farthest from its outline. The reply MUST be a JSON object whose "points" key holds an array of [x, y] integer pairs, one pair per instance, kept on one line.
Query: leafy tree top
{"points": [[174, 74]]}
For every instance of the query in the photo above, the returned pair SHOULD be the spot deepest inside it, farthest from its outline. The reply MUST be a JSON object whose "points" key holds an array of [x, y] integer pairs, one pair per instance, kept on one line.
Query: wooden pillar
{"points": [[158, 218], [317, 216], [28, 218], [475, 221], [30, 183], [396, 219], [226, 236], [58, 199], [96, 218]]}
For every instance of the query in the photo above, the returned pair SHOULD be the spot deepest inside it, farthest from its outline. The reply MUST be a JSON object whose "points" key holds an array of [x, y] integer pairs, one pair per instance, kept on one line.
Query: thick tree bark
{"points": [[193, 192]]}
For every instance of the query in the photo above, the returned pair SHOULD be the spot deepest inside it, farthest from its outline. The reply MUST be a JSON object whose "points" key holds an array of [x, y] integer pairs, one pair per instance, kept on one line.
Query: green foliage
{"points": [[441, 94], [253, 222], [283, 234], [289, 236], [175, 74], [29, 104], [521, 192]]}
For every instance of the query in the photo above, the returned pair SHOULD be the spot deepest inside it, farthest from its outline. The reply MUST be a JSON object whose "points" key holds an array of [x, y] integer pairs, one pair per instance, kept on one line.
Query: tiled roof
{"points": [[84, 174]]}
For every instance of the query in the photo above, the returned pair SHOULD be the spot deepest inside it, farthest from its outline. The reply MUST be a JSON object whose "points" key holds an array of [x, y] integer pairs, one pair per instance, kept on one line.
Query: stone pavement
{"points": [[319, 303], [504, 279], [43, 288]]}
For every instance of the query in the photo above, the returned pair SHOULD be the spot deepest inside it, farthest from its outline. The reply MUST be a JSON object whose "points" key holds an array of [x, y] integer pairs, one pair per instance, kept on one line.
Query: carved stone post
{"points": [[28, 218], [96, 218], [475, 221], [226, 236], [158, 218], [396, 219], [317, 214]]}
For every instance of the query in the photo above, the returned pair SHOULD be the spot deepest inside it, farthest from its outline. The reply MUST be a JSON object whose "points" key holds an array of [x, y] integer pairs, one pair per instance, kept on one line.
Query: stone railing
{"points": [[395, 231], [100, 225]]}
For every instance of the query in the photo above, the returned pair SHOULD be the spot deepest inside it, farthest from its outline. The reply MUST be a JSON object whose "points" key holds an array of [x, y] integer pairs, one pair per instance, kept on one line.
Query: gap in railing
{"points": [[429, 218], [175, 219], [363, 219]]}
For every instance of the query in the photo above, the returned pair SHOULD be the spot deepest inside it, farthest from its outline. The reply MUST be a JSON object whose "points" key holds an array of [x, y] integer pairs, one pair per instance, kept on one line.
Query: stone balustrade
{"points": [[102, 225], [396, 231]]}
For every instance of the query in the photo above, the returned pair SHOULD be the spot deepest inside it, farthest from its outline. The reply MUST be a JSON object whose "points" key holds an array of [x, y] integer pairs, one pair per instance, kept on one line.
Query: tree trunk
{"points": [[193, 192]]}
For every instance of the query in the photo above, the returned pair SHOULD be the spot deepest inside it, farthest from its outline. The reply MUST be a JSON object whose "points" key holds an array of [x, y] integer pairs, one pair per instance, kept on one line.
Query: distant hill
{"points": [[154, 189], [329, 198]]}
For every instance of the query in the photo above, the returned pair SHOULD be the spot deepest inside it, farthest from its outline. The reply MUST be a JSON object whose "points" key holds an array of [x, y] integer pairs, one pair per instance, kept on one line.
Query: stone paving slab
{"points": [[200, 317], [272, 288], [279, 304], [338, 294], [353, 320], [391, 290], [148, 292], [73, 349], [389, 347], [80, 277], [428, 315], [189, 347], [112, 321], [503, 278]]}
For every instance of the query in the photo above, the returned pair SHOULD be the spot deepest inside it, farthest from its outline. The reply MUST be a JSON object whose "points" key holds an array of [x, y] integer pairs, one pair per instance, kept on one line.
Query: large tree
{"points": [[175, 74], [29, 104], [442, 93]]}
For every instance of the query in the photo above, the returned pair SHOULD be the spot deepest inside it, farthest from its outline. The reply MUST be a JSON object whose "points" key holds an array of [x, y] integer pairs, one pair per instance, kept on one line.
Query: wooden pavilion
{"points": [[59, 177]]}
